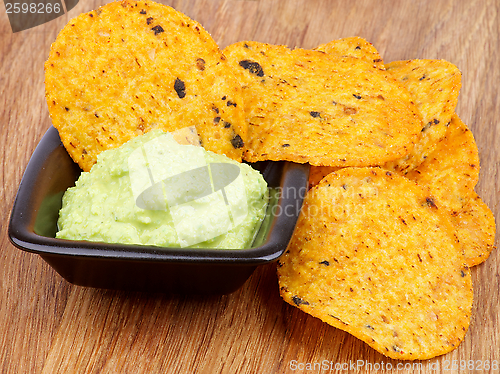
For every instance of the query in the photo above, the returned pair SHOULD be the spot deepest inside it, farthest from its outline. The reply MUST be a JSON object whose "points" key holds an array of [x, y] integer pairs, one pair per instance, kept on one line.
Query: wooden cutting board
{"points": [[50, 326]]}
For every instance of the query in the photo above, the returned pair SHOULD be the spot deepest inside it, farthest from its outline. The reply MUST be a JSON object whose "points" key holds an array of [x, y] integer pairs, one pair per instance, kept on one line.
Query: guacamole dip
{"points": [[154, 191]]}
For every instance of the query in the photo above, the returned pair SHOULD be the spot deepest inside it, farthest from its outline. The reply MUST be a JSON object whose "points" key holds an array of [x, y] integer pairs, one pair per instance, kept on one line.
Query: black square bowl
{"points": [[33, 225]]}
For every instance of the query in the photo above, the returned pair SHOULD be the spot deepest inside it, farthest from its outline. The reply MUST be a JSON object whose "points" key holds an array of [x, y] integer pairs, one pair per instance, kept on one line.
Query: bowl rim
{"points": [[26, 239]]}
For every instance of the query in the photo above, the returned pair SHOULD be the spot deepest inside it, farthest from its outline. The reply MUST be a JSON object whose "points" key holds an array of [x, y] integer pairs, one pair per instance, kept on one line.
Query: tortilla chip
{"points": [[354, 47], [434, 85], [476, 229], [307, 106], [371, 255], [451, 172], [317, 173], [130, 67]]}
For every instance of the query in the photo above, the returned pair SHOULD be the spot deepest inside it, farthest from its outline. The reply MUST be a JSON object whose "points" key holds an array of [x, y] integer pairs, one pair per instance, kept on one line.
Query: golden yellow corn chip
{"points": [[355, 47], [372, 255], [452, 170], [476, 229], [434, 86], [308, 106], [133, 66]]}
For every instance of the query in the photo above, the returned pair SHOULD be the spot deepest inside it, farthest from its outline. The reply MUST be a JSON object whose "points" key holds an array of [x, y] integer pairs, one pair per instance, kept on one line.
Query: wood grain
{"points": [[50, 326]]}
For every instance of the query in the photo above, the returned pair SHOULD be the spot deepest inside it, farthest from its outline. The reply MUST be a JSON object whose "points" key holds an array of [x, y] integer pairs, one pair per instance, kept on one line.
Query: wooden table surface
{"points": [[50, 326]]}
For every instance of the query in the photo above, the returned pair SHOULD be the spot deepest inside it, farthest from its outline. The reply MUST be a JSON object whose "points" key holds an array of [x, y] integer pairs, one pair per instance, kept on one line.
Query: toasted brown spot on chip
{"points": [[253, 67], [157, 29], [298, 301], [430, 202], [200, 64], [237, 142], [180, 88], [350, 111]]}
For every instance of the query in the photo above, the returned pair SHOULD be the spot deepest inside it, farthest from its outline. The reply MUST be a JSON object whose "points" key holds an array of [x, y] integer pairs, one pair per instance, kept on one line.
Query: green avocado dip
{"points": [[154, 191]]}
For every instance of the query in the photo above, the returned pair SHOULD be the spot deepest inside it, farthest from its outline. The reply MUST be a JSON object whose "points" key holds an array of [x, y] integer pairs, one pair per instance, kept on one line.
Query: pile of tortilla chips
{"points": [[391, 223]]}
